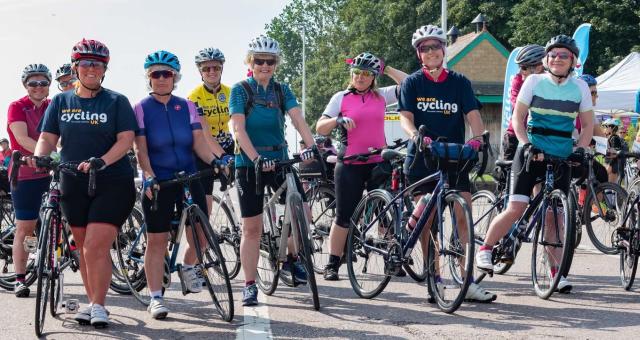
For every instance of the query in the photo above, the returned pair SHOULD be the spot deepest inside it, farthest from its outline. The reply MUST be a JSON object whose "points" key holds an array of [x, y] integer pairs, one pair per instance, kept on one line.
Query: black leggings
{"points": [[350, 181]]}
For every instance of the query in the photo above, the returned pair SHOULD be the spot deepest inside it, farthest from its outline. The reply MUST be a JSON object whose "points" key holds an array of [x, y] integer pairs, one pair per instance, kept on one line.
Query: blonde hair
{"points": [[248, 59]]}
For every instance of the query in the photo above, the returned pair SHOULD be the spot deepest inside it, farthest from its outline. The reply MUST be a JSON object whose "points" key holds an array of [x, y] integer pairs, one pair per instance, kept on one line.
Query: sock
{"points": [[334, 261], [20, 277], [486, 247], [438, 279], [249, 283], [156, 294]]}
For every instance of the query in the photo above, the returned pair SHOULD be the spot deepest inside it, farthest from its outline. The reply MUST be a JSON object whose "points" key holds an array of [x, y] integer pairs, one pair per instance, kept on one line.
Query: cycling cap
{"points": [[162, 58], [64, 70], [90, 49], [428, 32], [208, 54], [562, 41], [367, 61], [530, 55], [34, 70], [264, 44], [589, 79]]}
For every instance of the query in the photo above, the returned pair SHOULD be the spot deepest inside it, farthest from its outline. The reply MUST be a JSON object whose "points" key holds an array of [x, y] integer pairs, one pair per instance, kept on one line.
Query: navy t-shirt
{"points": [[88, 127], [440, 107]]}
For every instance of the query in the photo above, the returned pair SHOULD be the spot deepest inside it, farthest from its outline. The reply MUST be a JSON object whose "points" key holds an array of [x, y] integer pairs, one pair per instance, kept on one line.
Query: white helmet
{"points": [[264, 44], [428, 32]]}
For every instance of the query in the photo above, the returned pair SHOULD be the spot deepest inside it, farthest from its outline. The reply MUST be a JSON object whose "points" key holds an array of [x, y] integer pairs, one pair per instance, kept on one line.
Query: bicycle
{"points": [[532, 227], [378, 230], [225, 223], [55, 252], [277, 228], [7, 231], [210, 259]]}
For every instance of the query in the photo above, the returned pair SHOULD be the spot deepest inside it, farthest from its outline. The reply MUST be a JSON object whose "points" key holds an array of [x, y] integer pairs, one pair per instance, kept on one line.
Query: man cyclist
{"points": [[552, 100], [212, 102], [66, 78], [455, 102]]}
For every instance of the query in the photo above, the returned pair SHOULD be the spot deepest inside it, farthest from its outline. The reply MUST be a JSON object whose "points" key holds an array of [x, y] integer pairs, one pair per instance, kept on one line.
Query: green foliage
{"points": [[337, 29]]}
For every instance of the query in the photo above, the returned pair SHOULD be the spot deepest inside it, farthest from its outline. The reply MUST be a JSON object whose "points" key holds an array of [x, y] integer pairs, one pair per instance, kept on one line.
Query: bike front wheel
{"points": [[268, 270], [305, 252], [43, 273], [603, 214], [223, 223], [322, 203], [126, 235]]}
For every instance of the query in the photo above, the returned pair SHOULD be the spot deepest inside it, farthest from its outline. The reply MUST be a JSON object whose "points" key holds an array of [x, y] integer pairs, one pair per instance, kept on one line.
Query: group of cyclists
{"points": [[244, 125]]}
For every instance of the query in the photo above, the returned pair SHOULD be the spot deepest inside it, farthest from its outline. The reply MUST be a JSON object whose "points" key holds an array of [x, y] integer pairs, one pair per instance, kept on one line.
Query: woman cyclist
{"points": [[212, 102], [614, 143], [259, 132], [93, 123], [169, 133], [358, 112], [22, 124], [65, 78]]}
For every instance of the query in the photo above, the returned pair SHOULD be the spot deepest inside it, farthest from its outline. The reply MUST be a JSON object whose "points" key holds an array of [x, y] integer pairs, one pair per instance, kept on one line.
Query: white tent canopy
{"points": [[619, 87]]}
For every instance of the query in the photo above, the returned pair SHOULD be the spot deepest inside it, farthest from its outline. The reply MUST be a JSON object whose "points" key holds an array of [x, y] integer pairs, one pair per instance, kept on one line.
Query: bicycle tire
{"points": [[8, 225], [133, 223], [56, 284], [267, 272], [213, 264], [543, 282], [573, 199], [132, 268], [601, 228], [359, 251], [322, 205], [416, 266], [305, 252], [229, 235], [630, 245], [451, 262], [42, 273]]}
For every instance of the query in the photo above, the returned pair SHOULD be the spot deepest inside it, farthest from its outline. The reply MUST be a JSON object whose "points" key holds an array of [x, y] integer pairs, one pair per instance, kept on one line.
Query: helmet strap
{"points": [[212, 89], [93, 91]]}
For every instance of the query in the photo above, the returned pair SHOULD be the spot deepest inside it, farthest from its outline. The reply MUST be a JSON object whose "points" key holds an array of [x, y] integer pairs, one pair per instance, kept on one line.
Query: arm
{"points": [[518, 122], [475, 122], [407, 124], [301, 125], [211, 142], [21, 135], [238, 127], [142, 155], [123, 144], [201, 147], [325, 125], [586, 133], [395, 74], [46, 144]]}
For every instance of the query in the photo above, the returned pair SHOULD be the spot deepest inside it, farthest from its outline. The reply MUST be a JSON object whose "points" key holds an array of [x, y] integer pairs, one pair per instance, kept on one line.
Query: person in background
{"points": [[6, 152], [22, 124], [66, 78], [614, 143]]}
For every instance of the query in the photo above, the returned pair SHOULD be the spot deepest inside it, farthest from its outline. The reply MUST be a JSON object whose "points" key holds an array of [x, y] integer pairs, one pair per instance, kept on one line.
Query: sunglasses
{"points": [[205, 69], [359, 72], [163, 73], [560, 55], [429, 48], [91, 63], [261, 62], [36, 83], [67, 83]]}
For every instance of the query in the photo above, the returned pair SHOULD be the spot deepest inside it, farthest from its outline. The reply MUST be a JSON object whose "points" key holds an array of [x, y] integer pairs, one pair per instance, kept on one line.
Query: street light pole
{"points": [[443, 19]]}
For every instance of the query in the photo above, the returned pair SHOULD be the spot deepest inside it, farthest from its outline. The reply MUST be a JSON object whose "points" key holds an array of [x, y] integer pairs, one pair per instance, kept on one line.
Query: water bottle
{"points": [[417, 211]]}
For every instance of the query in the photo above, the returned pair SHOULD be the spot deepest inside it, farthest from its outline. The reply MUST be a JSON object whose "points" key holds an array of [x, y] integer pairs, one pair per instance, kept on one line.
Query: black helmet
{"points": [[562, 41], [530, 55], [4, 140], [64, 70]]}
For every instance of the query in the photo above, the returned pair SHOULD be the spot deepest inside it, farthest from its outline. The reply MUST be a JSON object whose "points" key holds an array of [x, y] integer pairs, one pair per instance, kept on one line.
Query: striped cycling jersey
{"points": [[553, 108]]}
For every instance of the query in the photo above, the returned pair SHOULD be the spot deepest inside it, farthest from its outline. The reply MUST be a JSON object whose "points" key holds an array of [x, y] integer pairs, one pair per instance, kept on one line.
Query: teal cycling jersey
{"points": [[553, 109], [264, 125]]}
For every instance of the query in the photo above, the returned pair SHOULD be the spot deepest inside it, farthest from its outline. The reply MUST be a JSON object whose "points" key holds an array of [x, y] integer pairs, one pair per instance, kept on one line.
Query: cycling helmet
{"points": [[35, 69], [611, 122], [4, 140], [562, 41], [589, 79], [530, 55], [367, 61], [428, 32], [162, 58], [264, 44], [90, 49], [64, 70], [209, 53]]}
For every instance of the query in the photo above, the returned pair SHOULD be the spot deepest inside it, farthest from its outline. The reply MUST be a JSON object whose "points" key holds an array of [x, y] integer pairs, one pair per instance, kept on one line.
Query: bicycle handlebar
{"points": [[47, 163], [288, 162], [363, 157]]}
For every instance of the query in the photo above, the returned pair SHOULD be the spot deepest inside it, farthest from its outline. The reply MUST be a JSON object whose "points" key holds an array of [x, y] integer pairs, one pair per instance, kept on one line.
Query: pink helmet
{"points": [[90, 49]]}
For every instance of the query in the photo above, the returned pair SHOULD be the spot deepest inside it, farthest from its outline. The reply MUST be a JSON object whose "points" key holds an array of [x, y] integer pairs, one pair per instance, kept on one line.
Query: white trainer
{"points": [[191, 281], [483, 260], [478, 294], [157, 309]]}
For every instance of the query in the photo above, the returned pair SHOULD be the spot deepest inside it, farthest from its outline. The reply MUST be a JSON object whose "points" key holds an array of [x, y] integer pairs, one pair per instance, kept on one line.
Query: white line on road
{"points": [[256, 325]]}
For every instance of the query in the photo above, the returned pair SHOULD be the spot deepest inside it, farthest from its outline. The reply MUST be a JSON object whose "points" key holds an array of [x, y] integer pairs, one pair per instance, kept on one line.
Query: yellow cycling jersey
{"points": [[214, 109]]}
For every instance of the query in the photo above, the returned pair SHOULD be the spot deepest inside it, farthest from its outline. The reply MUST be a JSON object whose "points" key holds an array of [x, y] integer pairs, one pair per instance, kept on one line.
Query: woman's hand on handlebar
{"points": [[149, 184], [98, 163], [307, 155], [346, 122]]}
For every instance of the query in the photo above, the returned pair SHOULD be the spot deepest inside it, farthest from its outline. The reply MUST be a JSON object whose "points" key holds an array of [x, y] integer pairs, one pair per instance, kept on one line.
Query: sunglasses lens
{"points": [[35, 83], [261, 62], [164, 73]]}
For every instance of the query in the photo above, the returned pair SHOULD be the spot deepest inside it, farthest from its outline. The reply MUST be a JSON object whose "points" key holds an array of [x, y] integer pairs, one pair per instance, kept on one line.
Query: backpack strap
{"points": [[280, 95], [248, 106], [251, 99]]}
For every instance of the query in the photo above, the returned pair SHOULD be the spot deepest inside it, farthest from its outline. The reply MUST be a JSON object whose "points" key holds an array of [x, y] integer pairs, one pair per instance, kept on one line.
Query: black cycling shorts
{"points": [[522, 182], [112, 202], [350, 182], [207, 181], [252, 203], [170, 200], [509, 146]]}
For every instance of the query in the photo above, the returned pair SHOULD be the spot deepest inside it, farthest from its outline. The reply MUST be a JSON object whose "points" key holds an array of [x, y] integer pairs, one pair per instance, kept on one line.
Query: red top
{"points": [[24, 110], [442, 77], [516, 84]]}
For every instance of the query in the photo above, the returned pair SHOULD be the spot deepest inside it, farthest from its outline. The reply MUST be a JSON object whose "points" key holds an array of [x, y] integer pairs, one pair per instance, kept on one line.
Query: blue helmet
{"points": [[589, 79], [162, 58]]}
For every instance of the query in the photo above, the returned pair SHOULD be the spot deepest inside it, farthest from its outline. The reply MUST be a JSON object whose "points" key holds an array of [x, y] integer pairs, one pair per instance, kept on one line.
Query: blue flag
{"points": [[512, 69], [581, 36]]}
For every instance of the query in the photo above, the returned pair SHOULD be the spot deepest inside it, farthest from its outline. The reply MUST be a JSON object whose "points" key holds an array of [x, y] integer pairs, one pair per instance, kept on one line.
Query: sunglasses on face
{"points": [[359, 72], [163, 73], [560, 55], [429, 48], [91, 63], [261, 62], [205, 69], [68, 82], [36, 83]]}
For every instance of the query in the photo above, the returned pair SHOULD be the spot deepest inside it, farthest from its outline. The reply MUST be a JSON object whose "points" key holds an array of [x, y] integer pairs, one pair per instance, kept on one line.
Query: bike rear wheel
{"points": [[223, 223], [43, 273], [603, 214], [552, 247], [213, 264], [268, 270], [7, 232], [322, 203], [305, 251], [450, 254], [366, 263], [628, 241], [127, 233], [130, 249]]}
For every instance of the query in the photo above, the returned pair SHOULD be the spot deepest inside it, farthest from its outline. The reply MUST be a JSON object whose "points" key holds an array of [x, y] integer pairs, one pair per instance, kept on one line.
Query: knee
{"points": [[252, 228]]}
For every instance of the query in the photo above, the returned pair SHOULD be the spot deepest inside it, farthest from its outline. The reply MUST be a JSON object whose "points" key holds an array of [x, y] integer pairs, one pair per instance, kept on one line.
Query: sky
{"points": [[44, 31]]}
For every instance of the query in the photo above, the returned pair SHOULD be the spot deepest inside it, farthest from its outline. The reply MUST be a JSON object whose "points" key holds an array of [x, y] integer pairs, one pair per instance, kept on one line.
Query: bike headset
{"points": [[94, 50], [561, 41], [164, 58]]}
